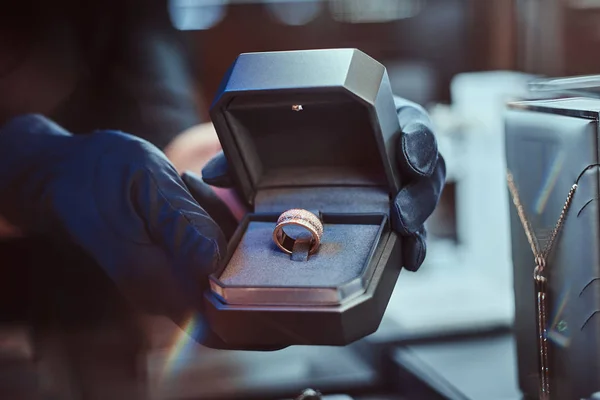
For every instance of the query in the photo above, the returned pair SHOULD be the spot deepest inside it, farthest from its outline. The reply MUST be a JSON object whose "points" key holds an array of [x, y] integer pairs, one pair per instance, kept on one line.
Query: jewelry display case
{"points": [[313, 130], [552, 154]]}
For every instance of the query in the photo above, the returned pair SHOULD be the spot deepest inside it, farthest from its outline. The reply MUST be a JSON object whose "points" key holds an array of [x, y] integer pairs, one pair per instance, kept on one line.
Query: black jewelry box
{"points": [[315, 130]]}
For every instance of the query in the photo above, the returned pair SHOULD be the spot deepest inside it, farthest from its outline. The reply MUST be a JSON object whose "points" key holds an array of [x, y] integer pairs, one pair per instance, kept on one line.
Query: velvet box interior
{"points": [[318, 146]]}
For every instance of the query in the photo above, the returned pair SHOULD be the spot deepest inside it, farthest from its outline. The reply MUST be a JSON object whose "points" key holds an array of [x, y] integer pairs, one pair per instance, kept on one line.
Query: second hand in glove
{"points": [[119, 200]]}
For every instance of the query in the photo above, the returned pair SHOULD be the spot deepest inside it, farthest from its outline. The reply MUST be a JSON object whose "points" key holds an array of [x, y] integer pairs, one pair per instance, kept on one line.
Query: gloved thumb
{"points": [[216, 172]]}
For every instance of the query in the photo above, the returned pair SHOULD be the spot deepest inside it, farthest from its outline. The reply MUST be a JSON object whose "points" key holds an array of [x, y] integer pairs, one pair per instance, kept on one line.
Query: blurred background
{"points": [[447, 329]]}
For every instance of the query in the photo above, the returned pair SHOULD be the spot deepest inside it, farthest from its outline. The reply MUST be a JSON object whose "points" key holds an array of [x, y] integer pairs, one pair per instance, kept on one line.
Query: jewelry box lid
{"points": [[307, 118]]}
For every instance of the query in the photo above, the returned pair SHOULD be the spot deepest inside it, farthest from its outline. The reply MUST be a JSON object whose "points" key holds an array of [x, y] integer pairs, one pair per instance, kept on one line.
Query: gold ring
{"points": [[302, 218]]}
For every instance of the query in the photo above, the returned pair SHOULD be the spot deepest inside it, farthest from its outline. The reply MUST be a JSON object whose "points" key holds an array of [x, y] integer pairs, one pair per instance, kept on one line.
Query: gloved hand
{"points": [[422, 171], [118, 199]]}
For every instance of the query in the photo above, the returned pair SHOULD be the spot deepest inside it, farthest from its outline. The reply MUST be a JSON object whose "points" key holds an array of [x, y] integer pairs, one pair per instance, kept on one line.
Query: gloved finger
{"points": [[216, 172], [414, 247], [162, 243], [160, 214], [417, 201], [191, 238], [194, 244], [210, 202], [417, 150]]}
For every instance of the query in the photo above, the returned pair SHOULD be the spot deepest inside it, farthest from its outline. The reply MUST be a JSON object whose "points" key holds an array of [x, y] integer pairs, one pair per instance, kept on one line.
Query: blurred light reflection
{"points": [[294, 12], [197, 14], [584, 4], [182, 345], [374, 11], [548, 183], [559, 332]]}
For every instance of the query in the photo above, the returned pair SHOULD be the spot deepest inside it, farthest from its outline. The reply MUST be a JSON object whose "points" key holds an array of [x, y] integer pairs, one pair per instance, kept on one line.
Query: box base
{"points": [[338, 325]]}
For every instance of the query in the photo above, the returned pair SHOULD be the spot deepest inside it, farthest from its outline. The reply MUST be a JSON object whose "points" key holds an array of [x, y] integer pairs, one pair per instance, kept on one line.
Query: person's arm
{"points": [[119, 201]]}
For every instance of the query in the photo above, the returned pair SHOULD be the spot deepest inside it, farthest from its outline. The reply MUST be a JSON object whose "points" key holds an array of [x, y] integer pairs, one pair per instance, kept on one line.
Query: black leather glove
{"points": [[421, 168], [118, 199], [423, 172]]}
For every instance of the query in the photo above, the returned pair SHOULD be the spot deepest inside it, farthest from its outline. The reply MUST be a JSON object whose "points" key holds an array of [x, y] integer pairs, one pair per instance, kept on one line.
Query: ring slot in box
{"points": [[257, 271], [314, 130]]}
